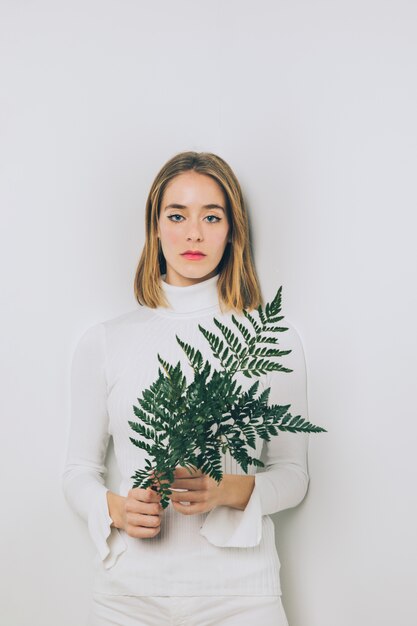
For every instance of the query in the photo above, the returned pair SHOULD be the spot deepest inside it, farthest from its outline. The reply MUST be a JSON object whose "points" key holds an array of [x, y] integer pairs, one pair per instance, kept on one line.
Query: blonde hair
{"points": [[238, 286]]}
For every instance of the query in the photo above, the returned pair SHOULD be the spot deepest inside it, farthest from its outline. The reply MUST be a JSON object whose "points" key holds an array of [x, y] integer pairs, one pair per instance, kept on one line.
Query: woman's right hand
{"points": [[142, 513]]}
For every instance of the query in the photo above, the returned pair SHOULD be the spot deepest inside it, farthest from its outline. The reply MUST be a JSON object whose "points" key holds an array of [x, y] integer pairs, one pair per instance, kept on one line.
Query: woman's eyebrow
{"points": [[182, 206]]}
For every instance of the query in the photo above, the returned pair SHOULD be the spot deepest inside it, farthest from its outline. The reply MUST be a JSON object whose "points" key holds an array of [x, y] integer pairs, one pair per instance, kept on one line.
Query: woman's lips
{"points": [[193, 257]]}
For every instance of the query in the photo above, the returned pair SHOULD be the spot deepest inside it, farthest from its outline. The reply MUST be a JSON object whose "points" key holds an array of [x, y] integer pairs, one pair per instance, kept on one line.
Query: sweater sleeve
{"points": [[283, 482], [84, 472]]}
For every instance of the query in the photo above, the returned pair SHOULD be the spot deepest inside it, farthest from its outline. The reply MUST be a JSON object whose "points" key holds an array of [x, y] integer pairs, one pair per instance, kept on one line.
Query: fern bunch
{"points": [[190, 425]]}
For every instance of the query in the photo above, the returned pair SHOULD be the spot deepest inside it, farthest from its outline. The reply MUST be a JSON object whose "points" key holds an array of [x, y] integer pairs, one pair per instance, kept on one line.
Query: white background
{"points": [[313, 104]]}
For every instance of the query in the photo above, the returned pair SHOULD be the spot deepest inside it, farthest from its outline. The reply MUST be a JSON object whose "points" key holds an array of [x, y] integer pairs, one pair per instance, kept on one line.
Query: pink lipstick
{"points": [[193, 255]]}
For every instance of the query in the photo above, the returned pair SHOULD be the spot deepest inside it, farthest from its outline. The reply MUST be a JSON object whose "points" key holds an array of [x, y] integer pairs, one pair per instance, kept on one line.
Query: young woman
{"points": [[209, 558]]}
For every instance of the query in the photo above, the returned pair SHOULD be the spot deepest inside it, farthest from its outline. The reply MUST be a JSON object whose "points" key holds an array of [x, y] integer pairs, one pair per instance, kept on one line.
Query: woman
{"points": [[210, 556]]}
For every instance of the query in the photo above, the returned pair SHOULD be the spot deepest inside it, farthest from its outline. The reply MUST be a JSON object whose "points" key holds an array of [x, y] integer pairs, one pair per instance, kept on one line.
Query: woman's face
{"points": [[192, 217]]}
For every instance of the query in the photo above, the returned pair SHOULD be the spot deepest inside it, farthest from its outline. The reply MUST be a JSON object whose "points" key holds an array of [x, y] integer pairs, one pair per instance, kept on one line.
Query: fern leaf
{"points": [[245, 332], [230, 337], [141, 444], [269, 352], [274, 307], [215, 343], [274, 329], [267, 340], [194, 356], [256, 326]]}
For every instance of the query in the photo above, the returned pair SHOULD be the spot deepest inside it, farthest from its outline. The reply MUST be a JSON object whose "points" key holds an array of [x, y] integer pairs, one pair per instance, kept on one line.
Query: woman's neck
{"points": [[190, 300]]}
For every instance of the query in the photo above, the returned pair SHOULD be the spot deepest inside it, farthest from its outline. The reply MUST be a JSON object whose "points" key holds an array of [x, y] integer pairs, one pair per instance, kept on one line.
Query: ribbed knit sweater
{"points": [[225, 551]]}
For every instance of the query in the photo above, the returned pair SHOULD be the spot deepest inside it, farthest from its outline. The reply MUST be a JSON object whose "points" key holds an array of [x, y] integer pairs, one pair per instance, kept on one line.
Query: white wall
{"points": [[314, 105]]}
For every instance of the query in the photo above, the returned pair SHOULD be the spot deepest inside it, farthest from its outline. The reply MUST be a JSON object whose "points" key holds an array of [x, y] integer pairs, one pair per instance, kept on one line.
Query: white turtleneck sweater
{"points": [[226, 551]]}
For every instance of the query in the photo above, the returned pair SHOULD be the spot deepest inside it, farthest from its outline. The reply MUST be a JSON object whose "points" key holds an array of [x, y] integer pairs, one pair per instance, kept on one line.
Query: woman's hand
{"points": [[140, 513], [203, 492]]}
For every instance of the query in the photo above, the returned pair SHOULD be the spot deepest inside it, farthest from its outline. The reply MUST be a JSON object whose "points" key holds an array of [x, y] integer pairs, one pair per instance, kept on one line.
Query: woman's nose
{"points": [[194, 232]]}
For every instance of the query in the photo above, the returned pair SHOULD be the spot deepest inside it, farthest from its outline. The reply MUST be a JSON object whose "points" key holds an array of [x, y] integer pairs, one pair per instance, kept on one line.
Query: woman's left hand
{"points": [[203, 492]]}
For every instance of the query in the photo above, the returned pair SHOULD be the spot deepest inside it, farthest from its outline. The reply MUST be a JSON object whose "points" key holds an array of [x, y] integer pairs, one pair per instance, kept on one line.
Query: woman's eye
{"points": [[210, 222], [176, 215]]}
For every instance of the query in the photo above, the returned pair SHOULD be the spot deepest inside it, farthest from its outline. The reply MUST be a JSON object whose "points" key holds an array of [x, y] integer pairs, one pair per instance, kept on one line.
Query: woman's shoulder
{"points": [[290, 343], [112, 326], [135, 316], [291, 334], [291, 384]]}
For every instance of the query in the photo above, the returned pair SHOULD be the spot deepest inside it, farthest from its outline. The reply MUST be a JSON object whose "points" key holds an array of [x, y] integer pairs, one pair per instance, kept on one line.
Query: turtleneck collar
{"points": [[191, 300]]}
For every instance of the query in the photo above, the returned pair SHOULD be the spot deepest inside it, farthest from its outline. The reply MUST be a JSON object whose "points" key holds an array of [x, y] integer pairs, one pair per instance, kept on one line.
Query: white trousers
{"points": [[109, 610]]}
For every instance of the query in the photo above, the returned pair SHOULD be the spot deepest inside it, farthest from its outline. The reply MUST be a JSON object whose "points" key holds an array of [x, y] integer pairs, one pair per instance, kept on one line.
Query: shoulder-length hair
{"points": [[238, 287]]}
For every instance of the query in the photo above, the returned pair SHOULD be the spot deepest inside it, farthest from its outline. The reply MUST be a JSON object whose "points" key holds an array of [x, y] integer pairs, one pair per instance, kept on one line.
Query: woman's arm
{"points": [[84, 472], [116, 506], [236, 490], [283, 482]]}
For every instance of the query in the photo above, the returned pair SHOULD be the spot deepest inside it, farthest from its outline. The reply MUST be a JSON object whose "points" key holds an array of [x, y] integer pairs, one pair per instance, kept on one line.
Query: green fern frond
{"points": [[275, 329], [261, 315], [298, 424], [230, 337], [264, 396], [215, 342], [269, 352], [142, 444], [267, 340], [166, 366], [194, 356], [250, 339], [274, 307], [257, 328]]}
